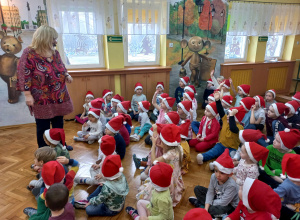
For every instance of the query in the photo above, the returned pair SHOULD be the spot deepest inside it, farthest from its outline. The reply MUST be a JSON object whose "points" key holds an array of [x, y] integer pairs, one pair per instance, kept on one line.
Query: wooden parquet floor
{"points": [[18, 144]]}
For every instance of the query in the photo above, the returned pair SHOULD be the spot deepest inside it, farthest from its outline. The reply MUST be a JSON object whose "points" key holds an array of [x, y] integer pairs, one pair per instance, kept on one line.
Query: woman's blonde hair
{"points": [[43, 38]]}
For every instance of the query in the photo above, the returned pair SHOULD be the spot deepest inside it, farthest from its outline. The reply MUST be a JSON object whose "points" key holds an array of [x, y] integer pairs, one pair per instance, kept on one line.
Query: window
{"points": [[274, 47], [236, 48]]}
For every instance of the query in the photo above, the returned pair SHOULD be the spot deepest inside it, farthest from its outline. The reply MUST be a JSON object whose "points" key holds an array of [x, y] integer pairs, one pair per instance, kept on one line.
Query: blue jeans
{"points": [[215, 152], [133, 116], [142, 131], [246, 119], [195, 126], [128, 128], [95, 193]]}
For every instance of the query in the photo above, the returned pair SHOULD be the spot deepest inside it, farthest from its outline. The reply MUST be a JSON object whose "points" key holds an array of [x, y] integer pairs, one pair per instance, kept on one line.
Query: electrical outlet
{"points": [[170, 44]]}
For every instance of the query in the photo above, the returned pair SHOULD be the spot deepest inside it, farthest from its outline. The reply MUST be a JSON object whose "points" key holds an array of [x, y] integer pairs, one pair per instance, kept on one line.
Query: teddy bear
{"points": [[8, 64], [198, 62]]}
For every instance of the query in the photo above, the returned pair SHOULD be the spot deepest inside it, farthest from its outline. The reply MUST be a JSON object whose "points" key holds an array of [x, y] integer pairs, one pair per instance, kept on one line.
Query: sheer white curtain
{"points": [[81, 16], [253, 19], [143, 17]]}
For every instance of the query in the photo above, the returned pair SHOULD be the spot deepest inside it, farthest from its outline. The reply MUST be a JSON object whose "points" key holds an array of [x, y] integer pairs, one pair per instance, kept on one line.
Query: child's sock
{"points": [[88, 181], [133, 212]]}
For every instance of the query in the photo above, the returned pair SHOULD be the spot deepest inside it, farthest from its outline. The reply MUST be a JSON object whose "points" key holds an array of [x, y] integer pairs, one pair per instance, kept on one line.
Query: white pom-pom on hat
{"points": [[261, 167], [282, 176], [155, 162], [124, 122], [100, 140], [121, 169], [287, 130]]}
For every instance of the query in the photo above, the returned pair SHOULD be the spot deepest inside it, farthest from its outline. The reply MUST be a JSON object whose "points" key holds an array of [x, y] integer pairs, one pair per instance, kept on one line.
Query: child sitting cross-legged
{"points": [[92, 129], [292, 118], [122, 108], [109, 198], [284, 142], [124, 132], [251, 153], [106, 106], [55, 138], [82, 118], [209, 130], [257, 202], [57, 201], [136, 98], [187, 96], [184, 81], [172, 118], [257, 115], [144, 120], [221, 196], [114, 102], [160, 204], [160, 88], [289, 190], [183, 110], [243, 91]]}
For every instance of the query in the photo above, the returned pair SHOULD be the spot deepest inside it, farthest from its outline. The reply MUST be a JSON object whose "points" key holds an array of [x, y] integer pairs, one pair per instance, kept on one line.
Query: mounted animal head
{"points": [[10, 44], [195, 44]]}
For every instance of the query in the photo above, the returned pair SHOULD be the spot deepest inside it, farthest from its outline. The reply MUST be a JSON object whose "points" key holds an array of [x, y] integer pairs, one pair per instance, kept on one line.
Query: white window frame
{"points": [[245, 53], [281, 49]]}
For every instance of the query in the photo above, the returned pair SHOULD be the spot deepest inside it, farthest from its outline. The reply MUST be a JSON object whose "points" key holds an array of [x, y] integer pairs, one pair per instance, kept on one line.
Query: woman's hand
{"points": [[69, 79], [29, 100]]}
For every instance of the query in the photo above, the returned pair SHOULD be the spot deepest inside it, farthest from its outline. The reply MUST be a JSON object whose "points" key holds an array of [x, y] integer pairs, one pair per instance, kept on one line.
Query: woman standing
{"points": [[42, 76]]}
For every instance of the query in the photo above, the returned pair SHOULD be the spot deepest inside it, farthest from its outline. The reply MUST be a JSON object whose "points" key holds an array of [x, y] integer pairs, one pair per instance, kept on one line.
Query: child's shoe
{"points": [[200, 159], [137, 161], [145, 159], [195, 202], [80, 204], [131, 211], [76, 138], [69, 148], [91, 141], [29, 211], [134, 137]]}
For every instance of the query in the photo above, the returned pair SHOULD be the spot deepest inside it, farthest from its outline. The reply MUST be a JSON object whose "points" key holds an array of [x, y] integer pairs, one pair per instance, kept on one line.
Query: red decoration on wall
{"points": [[203, 18]]}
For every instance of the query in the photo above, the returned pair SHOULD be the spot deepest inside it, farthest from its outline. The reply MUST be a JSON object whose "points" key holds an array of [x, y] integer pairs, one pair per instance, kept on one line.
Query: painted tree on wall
{"points": [[189, 16], [203, 18]]}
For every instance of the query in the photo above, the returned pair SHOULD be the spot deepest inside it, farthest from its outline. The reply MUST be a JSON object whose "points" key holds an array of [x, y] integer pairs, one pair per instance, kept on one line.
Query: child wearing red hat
{"points": [[217, 81], [210, 87], [243, 91], [225, 87], [144, 120], [136, 98], [122, 108], [209, 129], [159, 88], [114, 102], [184, 81], [125, 128], [106, 106], [82, 118], [283, 143], [92, 129], [292, 118], [257, 202], [289, 190], [197, 213], [160, 204], [109, 198], [191, 97], [296, 97], [184, 132], [270, 96], [172, 154], [257, 114], [221, 197], [183, 110], [98, 104]]}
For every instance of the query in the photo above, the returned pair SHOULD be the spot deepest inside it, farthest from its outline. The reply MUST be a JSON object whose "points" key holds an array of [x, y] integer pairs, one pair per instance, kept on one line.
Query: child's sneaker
{"points": [[91, 141], [80, 204], [195, 202], [145, 159], [137, 161], [29, 211], [211, 166], [134, 137], [76, 138], [132, 211], [69, 148], [200, 159]]}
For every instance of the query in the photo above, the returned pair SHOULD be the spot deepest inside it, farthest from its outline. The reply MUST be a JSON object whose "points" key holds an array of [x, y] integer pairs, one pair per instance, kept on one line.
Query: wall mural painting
{"points": [[196, 41], [18, 20]]}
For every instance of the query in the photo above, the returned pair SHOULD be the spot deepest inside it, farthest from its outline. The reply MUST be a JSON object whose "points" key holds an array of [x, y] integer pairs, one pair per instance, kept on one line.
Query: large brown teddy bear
{"points": [[8, 64]]}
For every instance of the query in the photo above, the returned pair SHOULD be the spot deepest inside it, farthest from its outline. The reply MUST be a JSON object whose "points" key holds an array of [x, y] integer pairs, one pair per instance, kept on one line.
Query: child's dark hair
{"points": [[57, 196], [45, 154]]}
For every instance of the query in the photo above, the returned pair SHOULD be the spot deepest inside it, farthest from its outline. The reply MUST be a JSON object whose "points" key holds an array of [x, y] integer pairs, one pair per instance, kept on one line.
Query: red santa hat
{"points": [[210, 81], [172, 117], [259, 197], [190, 88], [55, 136], [145, 105], [250, 135], [280, 108], [97, 103], [227, 100], [224, 162], [160, 175], [296, 97], [244, 88], [112, 167], [107, 145], [117, 98], [257, 152], [184, 129], [293, 106], [261, 101], [190, 96], [161, 85], [89, 94], [159, 127], [52, 172], [162, 96], [289, 138], [127, 118], [115, 124], [124, 106], [169, 102], [273, 92], [291, 165], [170, 135], [138, 86], [247, 103], [94, 112], [227, 83], [197, 213], [186, 106], [185, 80], [106, 92], [211, 97], [240, 114], [212, 107]]}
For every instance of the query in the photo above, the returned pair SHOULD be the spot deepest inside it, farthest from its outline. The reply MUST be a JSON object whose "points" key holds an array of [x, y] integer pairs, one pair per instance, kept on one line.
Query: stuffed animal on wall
{"points": [[8, 64], [196, 44]]}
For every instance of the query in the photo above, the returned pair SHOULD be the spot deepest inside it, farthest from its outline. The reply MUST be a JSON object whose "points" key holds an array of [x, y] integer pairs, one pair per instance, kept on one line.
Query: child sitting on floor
{"points": [[106, 106], [289, 190], [292, 118], [180, 89], [284, 143], [183, 110], [209, 130], [243, 91], [136, 98], [208, 91], [160, 88], [144, 120], [109, 198], [270, 96], [191, 89], [225, 87], [92, 129], [82, 118], [122, 108], [221, 196], [258, 117], [155, 113], [257, 202], [114, 102], [296, 97], [124, 132], [226, 102], [98, 104], [197, 213], [184, 131], [217, 81], [172, 118], [55, 138], [160, 204], [57, 201]]}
